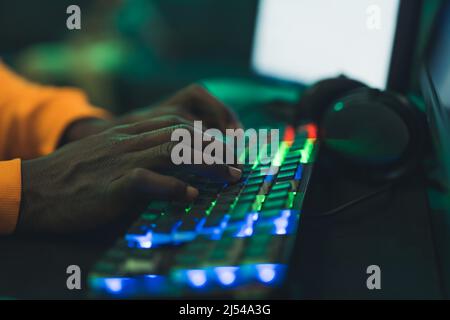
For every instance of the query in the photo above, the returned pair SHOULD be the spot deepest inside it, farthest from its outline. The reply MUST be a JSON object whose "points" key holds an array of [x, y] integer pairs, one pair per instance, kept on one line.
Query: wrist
{"points": [[84, 128], [29, 199]]}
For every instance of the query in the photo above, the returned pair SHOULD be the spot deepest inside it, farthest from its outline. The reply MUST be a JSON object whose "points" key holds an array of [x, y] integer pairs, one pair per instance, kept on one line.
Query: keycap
{"points": [[166, 225], [189, 224], [150, 217], [138, 230], [291, 161], [226, 252], [289, 167], [263, 229], [241, 208], [292, 156], [272, 251], [284, 176], [281, 186], [251, 190], [275, 204], [269, 214], [258, 174], [115, 254], [255, 181], [246, 198], [214, 221], [278, 194], [239, 216]]}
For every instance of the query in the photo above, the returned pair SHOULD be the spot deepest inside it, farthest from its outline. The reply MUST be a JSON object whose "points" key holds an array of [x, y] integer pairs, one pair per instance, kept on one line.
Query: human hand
{"points": [[191, 103], [97, 180]]}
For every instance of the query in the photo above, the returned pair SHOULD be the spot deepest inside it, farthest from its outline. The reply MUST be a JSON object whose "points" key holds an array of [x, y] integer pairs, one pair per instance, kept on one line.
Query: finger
{"points": [[155, 124], [205, 106], [185, 132], [207, 103], [165, 157], [140, 186], [170, 110]]}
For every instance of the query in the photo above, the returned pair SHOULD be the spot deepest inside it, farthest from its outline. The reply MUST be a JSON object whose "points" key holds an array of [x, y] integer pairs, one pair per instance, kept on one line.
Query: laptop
{"points": [[236, 241]]}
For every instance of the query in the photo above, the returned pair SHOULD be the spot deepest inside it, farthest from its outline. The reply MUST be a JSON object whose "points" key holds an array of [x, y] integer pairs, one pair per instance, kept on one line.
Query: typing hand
{"points": [[191, 103], [96, 180]]}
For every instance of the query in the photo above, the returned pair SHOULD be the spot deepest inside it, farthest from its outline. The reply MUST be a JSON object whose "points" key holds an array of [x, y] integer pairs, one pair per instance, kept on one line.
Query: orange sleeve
{"points": [[10, 192], [32, 121]]}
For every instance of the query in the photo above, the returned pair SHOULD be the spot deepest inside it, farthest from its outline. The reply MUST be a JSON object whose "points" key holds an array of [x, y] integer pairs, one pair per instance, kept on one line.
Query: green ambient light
{"points": [[290, 201], [339, 106], [259, 202], [307, 151], [213, 204], [281, 154]]}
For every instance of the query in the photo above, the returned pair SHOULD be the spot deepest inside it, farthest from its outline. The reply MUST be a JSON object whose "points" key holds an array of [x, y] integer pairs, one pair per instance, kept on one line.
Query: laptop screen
{"points": [[305, 41]]}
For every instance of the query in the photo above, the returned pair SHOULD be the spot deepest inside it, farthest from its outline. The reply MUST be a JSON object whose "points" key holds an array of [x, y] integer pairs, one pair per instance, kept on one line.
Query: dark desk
{"points": [[391, 230]]}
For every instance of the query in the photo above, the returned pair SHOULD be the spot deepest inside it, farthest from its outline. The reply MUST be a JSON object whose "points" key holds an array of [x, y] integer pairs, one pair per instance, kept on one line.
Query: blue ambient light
{"points": [[266, 272], [114, 285], [226, 275], [197, 277]]}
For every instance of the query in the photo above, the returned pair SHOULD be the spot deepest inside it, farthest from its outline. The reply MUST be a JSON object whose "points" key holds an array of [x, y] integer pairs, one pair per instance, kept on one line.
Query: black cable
{"points": [[349, 204]]}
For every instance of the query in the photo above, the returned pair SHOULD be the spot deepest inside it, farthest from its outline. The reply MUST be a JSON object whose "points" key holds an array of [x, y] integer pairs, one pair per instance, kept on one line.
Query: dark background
{"points": [[130, 53]]}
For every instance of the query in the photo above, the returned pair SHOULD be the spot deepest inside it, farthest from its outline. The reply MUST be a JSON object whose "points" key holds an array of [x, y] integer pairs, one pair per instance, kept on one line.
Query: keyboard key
{"points": [[247, 198], [189, 224], [258, 174], [272, 251], [277, 195], [138, 230], [239, 216], [251, 190], [166, 225], [255, 181], [263, 229], [269, 214], [138, 266], [117, 255], [286, 176], [226, 252], [214, 221], [282, 186], [275, 204], [289, 167], [291, 161], [150, 217], [292, 156]]}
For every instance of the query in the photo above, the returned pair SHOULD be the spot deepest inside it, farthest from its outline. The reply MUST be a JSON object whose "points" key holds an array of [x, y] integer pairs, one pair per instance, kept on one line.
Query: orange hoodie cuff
{"points": [[56, 119], [10, 195]]}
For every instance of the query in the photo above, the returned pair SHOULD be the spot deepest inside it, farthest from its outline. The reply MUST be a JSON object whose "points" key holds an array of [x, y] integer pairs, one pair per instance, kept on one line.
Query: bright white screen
{"points": [[308, 40]]}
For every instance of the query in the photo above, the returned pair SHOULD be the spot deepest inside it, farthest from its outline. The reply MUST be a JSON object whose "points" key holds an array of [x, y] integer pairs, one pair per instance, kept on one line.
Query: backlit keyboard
{"points": [[233, 240]]}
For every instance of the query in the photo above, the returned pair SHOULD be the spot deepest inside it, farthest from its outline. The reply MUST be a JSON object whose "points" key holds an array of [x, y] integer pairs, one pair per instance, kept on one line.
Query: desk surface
{"points": [[392, 231]]}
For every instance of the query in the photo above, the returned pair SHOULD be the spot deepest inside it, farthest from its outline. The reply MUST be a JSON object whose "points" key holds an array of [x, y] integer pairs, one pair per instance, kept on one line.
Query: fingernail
{"points": [[235, 173], [192, 193]]}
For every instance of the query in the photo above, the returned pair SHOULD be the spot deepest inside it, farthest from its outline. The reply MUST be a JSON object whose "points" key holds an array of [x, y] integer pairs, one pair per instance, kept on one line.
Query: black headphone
{"points": [[375, 135]]}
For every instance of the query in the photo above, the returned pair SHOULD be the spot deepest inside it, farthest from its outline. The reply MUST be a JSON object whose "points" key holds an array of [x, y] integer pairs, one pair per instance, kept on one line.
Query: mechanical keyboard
{"points": [[233, 240]]}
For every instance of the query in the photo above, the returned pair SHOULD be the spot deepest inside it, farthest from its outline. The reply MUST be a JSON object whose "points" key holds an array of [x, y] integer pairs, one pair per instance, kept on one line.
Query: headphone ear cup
{"points": [[316, 100], [378, 136]]}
